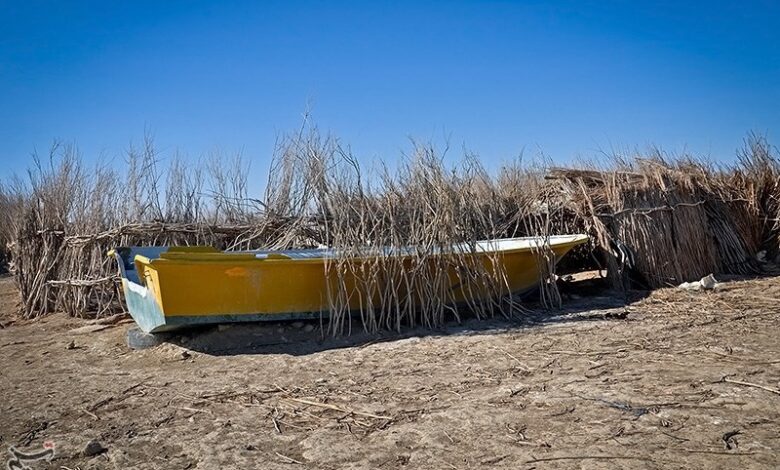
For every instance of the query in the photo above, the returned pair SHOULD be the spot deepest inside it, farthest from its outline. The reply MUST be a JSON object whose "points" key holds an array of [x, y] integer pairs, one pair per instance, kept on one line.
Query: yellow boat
{"points": [[172, 287]]}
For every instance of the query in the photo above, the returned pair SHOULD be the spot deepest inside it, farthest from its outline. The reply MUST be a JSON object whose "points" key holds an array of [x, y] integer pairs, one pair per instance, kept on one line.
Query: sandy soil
{"points": [[684, 380]]}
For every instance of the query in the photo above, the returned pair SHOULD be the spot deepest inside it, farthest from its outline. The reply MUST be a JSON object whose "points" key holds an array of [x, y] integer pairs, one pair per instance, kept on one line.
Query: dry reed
{"points": [[669, 221], [432, 214], [660, 221]]}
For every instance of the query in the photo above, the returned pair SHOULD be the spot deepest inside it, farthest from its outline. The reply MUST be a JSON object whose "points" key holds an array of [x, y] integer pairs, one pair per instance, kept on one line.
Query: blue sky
{"points": [[567, 78]]}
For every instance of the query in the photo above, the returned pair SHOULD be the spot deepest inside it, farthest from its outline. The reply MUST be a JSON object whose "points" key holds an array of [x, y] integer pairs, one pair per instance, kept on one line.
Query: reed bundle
{"points": [[674, 221], [431, 213]]}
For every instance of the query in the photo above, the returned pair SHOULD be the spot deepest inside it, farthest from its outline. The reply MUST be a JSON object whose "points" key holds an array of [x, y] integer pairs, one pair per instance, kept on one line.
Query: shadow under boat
{"points": [[307, 337]]}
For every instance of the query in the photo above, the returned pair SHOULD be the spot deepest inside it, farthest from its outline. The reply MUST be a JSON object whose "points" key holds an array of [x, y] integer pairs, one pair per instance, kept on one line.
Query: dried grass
{"points": [[71, 215], [670, 221], [11, 205], [421, 208], [659, 220]]}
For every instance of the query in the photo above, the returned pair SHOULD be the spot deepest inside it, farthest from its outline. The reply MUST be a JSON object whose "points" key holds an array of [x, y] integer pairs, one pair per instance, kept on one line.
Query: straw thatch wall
{"points": [[666, 226], [659, 222], [653, 222]]}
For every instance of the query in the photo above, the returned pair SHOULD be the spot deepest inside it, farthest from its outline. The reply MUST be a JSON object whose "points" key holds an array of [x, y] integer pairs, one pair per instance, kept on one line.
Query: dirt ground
{"points": [[675, 380]]}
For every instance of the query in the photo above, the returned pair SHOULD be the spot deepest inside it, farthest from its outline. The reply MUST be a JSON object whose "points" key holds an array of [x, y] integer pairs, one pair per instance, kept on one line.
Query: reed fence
{"points": [[654, 221]]}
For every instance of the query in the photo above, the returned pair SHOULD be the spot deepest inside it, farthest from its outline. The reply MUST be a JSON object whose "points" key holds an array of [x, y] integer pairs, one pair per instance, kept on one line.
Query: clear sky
{"points": [[568, 78]]}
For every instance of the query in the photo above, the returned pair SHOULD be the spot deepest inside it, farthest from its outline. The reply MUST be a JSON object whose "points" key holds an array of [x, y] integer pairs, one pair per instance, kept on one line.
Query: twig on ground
{"points": [[749, 384], [338, 408], [588, 457], [717, 452], [289, 459], [276, 423], [527, 369]]}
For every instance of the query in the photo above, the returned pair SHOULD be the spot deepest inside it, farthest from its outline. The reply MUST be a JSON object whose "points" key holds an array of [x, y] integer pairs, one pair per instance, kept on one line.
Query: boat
{"points": [[168, 288]]}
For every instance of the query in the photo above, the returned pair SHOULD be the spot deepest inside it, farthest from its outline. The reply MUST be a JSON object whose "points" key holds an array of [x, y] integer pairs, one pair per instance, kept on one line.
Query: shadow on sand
{"points": [[300, 338]]}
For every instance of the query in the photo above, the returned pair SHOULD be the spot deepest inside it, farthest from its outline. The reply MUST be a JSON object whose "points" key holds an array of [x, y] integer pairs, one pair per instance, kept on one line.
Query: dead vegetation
{"points": [[655, 221], [670, 221], [11, 203]]}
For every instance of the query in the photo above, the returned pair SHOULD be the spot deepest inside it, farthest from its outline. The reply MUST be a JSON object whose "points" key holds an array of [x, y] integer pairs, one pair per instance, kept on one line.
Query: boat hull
{"points": [[173, 287]]}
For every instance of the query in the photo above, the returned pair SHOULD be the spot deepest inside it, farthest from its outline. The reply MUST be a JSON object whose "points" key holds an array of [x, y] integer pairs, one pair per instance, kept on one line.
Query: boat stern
{"points": [[142, 304]]}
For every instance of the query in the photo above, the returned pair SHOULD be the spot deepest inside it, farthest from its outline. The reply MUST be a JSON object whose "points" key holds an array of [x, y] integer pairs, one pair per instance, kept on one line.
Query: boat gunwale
{"points": [[246, 257]]}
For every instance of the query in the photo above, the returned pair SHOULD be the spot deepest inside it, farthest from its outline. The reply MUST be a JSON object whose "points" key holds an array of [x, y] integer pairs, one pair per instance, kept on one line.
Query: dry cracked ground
{"points": [[675, 380]]}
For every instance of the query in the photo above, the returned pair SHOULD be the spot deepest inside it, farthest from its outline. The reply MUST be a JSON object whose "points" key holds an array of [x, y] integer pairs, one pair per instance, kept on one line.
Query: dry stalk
{"points": [[414, 225]]}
